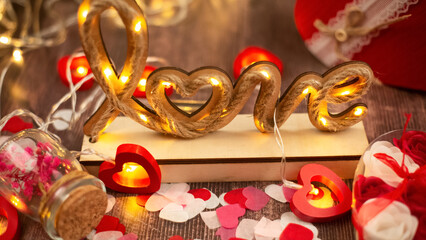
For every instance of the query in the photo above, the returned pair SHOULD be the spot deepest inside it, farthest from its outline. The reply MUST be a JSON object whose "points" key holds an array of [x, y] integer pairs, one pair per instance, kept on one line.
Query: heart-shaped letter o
{"points": [[318, 173], [135, 171]]}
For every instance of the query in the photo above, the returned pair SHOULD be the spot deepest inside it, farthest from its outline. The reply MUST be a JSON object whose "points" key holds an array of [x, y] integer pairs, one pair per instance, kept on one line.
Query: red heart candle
{"points": [[140, 90], [254, 54], [135, 171], [300, 202], [79, 69], [8, 211]]}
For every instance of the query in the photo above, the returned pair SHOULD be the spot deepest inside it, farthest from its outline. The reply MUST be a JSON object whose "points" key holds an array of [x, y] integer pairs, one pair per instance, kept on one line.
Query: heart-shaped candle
{"points": [[300, 203], [135, 171], [8, 211]]}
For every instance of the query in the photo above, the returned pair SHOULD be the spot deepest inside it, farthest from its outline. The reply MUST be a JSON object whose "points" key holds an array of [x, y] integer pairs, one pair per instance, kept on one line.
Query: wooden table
{"points": [[212, 34]]}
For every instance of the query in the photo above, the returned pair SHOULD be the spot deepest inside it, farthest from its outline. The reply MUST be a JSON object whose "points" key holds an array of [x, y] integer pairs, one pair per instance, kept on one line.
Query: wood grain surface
{"points": [[212, 34]]}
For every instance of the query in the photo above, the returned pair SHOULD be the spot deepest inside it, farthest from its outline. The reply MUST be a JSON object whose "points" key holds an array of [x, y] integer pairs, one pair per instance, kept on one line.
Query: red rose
{"points": [[415, 199], [370, 187], [413, 143]]}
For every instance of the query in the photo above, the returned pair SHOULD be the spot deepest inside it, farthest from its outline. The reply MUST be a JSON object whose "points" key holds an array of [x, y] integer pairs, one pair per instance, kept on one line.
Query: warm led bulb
{"points": [[306, 91], [214, 81], [143, 117], [108, 72], [17, 55], [345, 93], [124, 79], [265, 73], [323, 121], [358, 112], [81, 71], [129, 167], [142, 82], [166, 84], [138, 26], [4, 40]]}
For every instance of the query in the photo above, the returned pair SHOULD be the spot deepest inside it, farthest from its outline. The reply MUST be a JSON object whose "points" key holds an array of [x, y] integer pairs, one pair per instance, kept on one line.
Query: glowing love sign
{"points": [[340, 84]]}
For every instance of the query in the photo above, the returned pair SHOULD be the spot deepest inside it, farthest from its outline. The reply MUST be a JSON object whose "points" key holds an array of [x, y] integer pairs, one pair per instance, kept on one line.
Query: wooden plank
{"points": [[219, 156]]}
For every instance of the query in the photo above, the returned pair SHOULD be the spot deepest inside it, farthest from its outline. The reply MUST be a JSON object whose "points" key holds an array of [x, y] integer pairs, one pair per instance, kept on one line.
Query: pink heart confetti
{"points": [[288, 193], [256, 198], [210, 219], [276, 192], [201, 193], [108, 235], [296, 232], [228, 215], [130, 236], [226, 233], [236, 196]]}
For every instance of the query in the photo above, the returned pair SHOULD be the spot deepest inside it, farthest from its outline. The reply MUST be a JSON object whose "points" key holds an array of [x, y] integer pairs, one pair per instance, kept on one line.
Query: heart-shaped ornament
{"points": [[135, 171], [300, 203]]}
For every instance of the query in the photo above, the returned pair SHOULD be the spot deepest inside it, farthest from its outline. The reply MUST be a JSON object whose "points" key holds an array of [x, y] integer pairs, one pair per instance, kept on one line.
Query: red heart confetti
{"points": [[296, 232], [228, 215], [142, 199], [201, 193], [256, 199], [176, 237], [236, 196], [121, 228], [107, 223]]}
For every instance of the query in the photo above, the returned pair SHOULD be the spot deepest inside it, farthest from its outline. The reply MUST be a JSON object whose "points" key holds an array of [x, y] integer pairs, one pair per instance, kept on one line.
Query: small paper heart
{"points": [[16, 124], [111, 203], [213, 201], [288, 193], [236, 196], [142, 199], [176, 237], [267, 228], [130, 236], [201, 193], [210, 219], [228, 215], [107, 223], [156, 202], [174, 212], [276, 192], [222, 199], [226, 233], [256, 199], [195, 207], [296, 232], [245, 229], [108, 235]]}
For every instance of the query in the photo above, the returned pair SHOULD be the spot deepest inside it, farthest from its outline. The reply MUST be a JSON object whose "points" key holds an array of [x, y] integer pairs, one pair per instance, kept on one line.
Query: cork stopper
{"points": [[81, 212]]}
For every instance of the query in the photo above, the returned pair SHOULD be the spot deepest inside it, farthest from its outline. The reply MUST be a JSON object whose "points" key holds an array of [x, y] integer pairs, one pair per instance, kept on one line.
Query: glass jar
{"points": [[42, 179], [369, 184]]}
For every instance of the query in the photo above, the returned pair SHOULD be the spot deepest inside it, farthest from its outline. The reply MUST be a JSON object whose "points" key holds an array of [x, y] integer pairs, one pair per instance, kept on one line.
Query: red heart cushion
{"points": [[396, 55]]}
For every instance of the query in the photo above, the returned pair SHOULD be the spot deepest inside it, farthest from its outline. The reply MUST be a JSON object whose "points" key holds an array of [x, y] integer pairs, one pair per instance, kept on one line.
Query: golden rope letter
{"points": [[340, 84]]}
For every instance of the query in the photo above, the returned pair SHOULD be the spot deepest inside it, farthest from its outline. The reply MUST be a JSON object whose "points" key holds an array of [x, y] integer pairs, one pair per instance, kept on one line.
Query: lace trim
{"points": [[376, 12]]}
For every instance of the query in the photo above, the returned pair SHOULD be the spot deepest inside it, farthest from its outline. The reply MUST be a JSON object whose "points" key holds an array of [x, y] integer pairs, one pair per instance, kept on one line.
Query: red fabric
{"points": [[397, 55]]}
